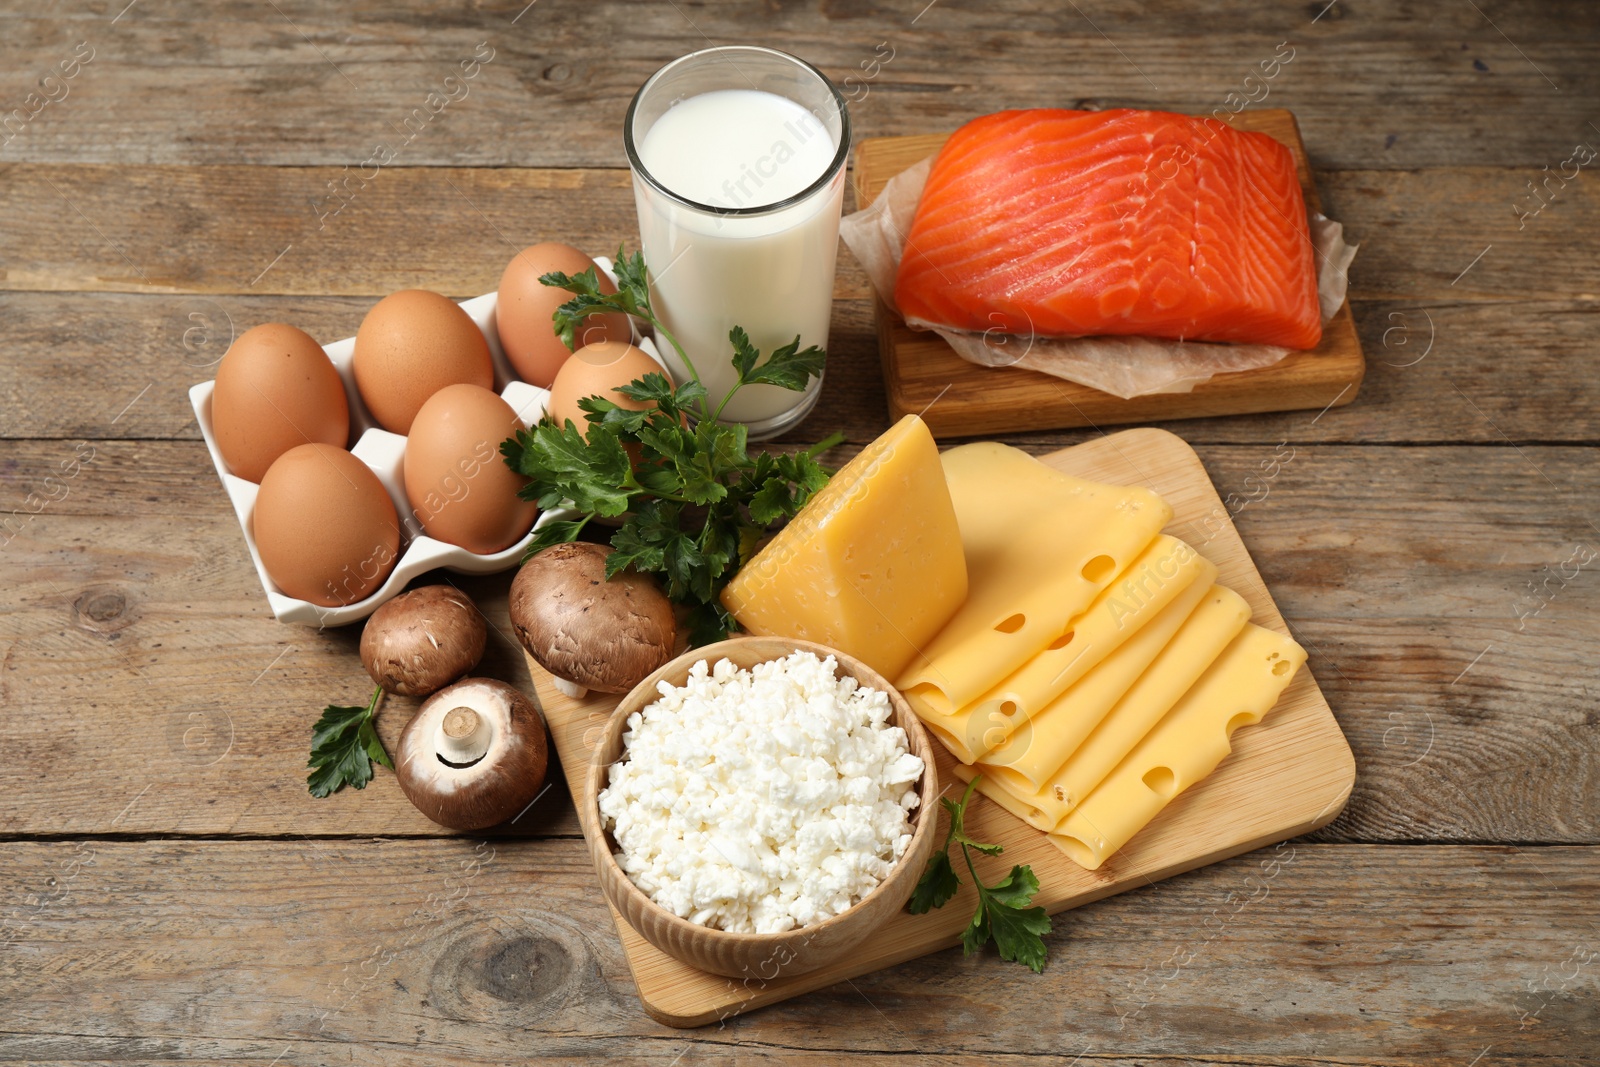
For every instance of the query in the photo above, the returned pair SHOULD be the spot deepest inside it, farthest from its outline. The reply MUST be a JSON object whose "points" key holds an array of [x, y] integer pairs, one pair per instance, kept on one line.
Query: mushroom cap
{"points": [[605, 635], [423, 640], [491, 789]]}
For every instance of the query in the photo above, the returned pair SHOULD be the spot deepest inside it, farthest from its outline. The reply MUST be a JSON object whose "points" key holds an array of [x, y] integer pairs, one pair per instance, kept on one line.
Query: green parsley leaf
{"points": [[629, 549], [690, 395], [1018, 930], [772, 501], [588, 301], [1016, 890], [1003, 914], [789, 367], [653, 388], [632, 278], [750, 541], [593, 473], [937, 885], [804, 471], [976, 933], [744, 353], [344, 745], [615, 418], [557, 533]]}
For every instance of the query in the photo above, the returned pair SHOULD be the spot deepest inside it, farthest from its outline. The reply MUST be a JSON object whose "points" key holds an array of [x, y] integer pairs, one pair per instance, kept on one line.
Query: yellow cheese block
{"points": [[1137, 595], [1238, 689], [1040, 546], [1212, 626], [1039, 747], [872, 565]]}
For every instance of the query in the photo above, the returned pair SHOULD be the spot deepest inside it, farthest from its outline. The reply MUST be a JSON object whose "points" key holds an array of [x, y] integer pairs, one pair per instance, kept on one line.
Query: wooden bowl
{"points": [[762, 956]]}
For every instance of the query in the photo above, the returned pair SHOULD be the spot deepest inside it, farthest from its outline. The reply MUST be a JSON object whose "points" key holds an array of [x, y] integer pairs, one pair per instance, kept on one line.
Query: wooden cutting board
{"points": [[923, 374], [1288, 775]]}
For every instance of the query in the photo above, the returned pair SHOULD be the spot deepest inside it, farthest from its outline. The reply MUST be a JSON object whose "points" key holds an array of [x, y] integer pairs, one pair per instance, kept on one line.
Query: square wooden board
{"points": [[919, 368], [1287, 775]]}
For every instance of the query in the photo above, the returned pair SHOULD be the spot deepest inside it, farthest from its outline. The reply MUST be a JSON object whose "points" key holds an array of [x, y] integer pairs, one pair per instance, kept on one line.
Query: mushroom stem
{"points": [[463, 736], [571, 689]]}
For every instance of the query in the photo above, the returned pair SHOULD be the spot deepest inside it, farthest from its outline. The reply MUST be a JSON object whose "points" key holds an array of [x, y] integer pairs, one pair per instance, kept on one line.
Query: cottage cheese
{"points": [[761, 800]]}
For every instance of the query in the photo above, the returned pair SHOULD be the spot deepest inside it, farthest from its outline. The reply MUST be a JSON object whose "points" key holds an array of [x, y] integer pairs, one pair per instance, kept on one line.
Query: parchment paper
{"points": [[1122, 366]]}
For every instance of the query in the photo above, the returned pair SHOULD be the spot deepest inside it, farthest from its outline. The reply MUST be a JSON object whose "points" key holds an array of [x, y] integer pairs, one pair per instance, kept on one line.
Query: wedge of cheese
{"points": [[1185, 746], [1123, 608], [1212, 626], [1030, 756], [872, 565], [1039, 546]]}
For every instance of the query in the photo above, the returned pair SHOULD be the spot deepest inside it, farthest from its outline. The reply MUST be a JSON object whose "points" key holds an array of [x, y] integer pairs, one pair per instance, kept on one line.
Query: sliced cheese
{"points": [[1137, 595], [1030, 756], [1040, 546], [1212, 626], [1185, 746], [871, 566], [1000, 794]]}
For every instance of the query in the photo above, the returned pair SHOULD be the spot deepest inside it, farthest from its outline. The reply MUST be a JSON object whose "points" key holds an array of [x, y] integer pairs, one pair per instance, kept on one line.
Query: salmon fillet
{"points": [[1049, 222]]}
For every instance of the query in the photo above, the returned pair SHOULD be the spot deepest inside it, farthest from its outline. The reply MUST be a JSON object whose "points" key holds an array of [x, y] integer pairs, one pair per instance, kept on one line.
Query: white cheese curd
{"points": [[761, 800]]}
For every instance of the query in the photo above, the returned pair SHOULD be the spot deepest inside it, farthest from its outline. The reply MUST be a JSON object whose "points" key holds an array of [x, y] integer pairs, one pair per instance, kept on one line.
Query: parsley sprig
{"points": [[694, 502], [1003, 912], [789, 367], [344, 746]]}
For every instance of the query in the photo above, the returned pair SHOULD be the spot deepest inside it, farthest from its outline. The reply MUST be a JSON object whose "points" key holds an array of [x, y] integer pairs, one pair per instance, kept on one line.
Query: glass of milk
{"points": [[738, 156]]}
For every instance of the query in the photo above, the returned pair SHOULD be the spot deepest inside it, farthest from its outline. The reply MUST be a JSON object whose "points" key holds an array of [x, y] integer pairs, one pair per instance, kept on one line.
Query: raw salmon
{"points": [[1061, 223]]}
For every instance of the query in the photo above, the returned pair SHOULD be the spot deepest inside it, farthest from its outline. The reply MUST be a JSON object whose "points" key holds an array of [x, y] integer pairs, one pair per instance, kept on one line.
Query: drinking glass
{"points": [[740, 231]]}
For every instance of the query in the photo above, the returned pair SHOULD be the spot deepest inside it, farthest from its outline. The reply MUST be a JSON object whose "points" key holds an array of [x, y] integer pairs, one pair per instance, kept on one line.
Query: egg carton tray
{"points": [[384, 453]]}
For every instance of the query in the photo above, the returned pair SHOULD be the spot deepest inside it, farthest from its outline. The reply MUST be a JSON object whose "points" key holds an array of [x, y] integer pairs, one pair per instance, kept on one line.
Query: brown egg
{"points": [[412, 344], [325, 526], [524, 309], [459, 487], [597, 370], [276, 388]]}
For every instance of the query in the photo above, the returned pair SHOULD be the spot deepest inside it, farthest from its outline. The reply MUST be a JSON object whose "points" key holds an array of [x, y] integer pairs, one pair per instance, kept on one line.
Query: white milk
{"points": [[771, 274]]}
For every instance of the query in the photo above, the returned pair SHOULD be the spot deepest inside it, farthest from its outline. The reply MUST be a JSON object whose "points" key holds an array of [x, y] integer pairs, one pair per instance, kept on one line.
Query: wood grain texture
{"points": [[220, 229], [1288, 775], [132, 604], [453, 952], [923, 375], [1390, 86], [1513, 360]]}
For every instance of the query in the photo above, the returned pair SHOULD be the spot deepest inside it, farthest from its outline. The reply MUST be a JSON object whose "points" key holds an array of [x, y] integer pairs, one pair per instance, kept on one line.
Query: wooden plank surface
{"points": [[1395, 85], [923, 375], [1287, 776], [310, 951], [1403, 542]]}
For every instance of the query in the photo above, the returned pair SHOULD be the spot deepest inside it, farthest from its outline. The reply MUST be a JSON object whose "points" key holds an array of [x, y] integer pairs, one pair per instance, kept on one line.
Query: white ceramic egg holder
{"points": [[384, 453]]}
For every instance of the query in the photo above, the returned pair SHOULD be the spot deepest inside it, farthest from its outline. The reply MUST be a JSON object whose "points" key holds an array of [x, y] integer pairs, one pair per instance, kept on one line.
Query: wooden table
{"points": [[169, 890]]}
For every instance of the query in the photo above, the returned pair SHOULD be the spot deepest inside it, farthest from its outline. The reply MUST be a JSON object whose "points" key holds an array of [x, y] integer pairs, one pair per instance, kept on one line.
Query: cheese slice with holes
{"points": [[1137, 595], [1043, 803], [871, 566], [1185, 746], [1040, 546], [1039, 747]]}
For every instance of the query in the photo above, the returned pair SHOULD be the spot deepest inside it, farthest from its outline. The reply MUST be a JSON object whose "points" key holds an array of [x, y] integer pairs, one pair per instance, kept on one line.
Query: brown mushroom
{"points": [[588, 631], [474, 755], [423, 640]]}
